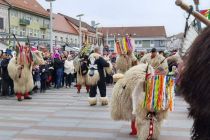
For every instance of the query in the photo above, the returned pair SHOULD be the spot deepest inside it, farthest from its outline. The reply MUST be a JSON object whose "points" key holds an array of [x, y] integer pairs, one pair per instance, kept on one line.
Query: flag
{"points": [[206, 13]]}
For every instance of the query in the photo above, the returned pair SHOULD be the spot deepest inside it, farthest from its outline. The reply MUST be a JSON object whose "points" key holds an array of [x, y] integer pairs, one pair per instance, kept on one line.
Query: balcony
{"points": [[44, 27], [24, 22]]}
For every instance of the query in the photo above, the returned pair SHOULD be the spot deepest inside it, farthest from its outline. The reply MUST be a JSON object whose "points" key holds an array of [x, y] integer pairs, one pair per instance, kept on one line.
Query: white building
{"points": [[63, 32], [4, 26], [144, 38]]}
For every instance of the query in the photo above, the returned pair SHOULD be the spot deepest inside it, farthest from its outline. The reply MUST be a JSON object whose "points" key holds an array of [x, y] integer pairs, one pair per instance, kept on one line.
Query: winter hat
{"points": [[56, 55]]}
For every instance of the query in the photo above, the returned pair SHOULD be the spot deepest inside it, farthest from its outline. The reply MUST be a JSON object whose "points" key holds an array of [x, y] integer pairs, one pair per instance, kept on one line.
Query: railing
{"points": [[24, 22], [44, 27]]}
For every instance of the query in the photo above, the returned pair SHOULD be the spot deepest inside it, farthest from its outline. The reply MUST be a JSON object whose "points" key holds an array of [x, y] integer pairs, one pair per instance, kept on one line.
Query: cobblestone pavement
{"points": [[65, 115]]}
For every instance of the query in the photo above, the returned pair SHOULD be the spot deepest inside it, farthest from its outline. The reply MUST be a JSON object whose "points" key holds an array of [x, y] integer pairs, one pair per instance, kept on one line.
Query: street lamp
{"points": [[97, 31], [80, 33], [96, 26], [51, 26]]}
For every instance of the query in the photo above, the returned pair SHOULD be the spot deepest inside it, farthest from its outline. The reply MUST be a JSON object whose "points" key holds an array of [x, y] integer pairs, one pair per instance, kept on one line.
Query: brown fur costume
{"points": [[81, 79], [128, 97], [195, 85]]}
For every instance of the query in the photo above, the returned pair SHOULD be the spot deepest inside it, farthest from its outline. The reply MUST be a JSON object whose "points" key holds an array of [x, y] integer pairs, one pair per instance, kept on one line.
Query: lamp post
{"points": [[96, 26], [80, 33], [51, 26]]}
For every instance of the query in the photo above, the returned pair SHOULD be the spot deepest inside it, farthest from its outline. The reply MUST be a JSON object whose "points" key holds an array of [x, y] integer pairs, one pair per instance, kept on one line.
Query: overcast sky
{"points": [[127, 12]]}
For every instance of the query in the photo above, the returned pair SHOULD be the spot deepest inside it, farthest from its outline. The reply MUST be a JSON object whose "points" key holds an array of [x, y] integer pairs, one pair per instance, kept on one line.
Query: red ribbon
{"points": [[151, 128]]}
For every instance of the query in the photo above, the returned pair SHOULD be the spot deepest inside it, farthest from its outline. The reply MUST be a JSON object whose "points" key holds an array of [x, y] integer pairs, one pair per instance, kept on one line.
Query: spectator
{"points": [[44, 76], [58, 67], [7, 83], [69, 71]]}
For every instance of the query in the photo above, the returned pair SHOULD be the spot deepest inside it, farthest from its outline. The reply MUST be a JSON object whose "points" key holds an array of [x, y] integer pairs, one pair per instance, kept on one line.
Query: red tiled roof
{"points": [[61, 25], [3, 2], [29, 5], [83, 24], [144, 31]]}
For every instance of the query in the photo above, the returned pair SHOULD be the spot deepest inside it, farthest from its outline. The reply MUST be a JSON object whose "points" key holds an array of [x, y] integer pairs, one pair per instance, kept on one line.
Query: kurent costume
{"points": [[126, 59], [124, 62], [20, 70], [145, 97], [81, 68], [96, 78], [158, 62]]}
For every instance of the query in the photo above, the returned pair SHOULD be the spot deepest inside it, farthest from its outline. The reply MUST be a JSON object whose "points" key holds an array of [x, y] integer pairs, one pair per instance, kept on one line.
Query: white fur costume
{"points": [[157, 62], [124, 62], [23, 79]]}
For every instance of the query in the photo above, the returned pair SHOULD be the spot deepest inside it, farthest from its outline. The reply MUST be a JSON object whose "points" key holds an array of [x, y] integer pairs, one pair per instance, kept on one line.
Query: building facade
{"points": [[144, 38], [89, 33], [25, 18], [4, 26], [63, 32]]}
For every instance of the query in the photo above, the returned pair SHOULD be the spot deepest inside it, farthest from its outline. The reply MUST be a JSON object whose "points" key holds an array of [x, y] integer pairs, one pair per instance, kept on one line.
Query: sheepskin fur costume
{"points": [[124, 62], [127, 100], [81, 79], [104, 101], [143, 122], [109, 69], [92, 101], [121, 103], [93, 80], [23, 79], [158, 62]]}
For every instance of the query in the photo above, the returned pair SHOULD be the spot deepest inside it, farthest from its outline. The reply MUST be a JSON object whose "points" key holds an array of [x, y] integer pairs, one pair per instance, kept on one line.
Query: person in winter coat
{"points": [[58, 67], [44, 76], [37, 78], [7, 83], [69, 70]]}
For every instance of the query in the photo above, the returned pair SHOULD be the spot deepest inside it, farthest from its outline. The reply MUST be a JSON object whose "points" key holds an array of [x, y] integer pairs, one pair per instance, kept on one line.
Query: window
{"points": [[37, 19], [67, 40], [30, 32], [14, 13], [14, 30], [152, 44], [138, 42], [162, 43], [71, 40], [111, 42], [43, 35], [22, 31], [56, 38], [1, 23], [75, 41], [36, 32], [61, 39], [146, 43]]}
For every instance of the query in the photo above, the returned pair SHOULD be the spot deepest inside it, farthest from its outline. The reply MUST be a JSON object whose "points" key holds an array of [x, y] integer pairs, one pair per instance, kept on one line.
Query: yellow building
{"points": [[28, 18]]}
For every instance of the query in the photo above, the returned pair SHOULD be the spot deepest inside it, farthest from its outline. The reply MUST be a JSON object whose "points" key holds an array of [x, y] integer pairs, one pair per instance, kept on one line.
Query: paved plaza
{"points": [[65, 115]]}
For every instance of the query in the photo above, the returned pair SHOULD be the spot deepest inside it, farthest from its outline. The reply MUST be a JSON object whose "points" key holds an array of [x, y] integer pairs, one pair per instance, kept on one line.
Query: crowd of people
{"points": [[58, 71]]}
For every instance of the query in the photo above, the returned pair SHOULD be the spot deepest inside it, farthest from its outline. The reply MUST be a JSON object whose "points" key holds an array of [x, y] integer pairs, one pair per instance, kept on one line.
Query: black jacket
{"points": [[4, 64], [101, 63], [58, 63]]}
